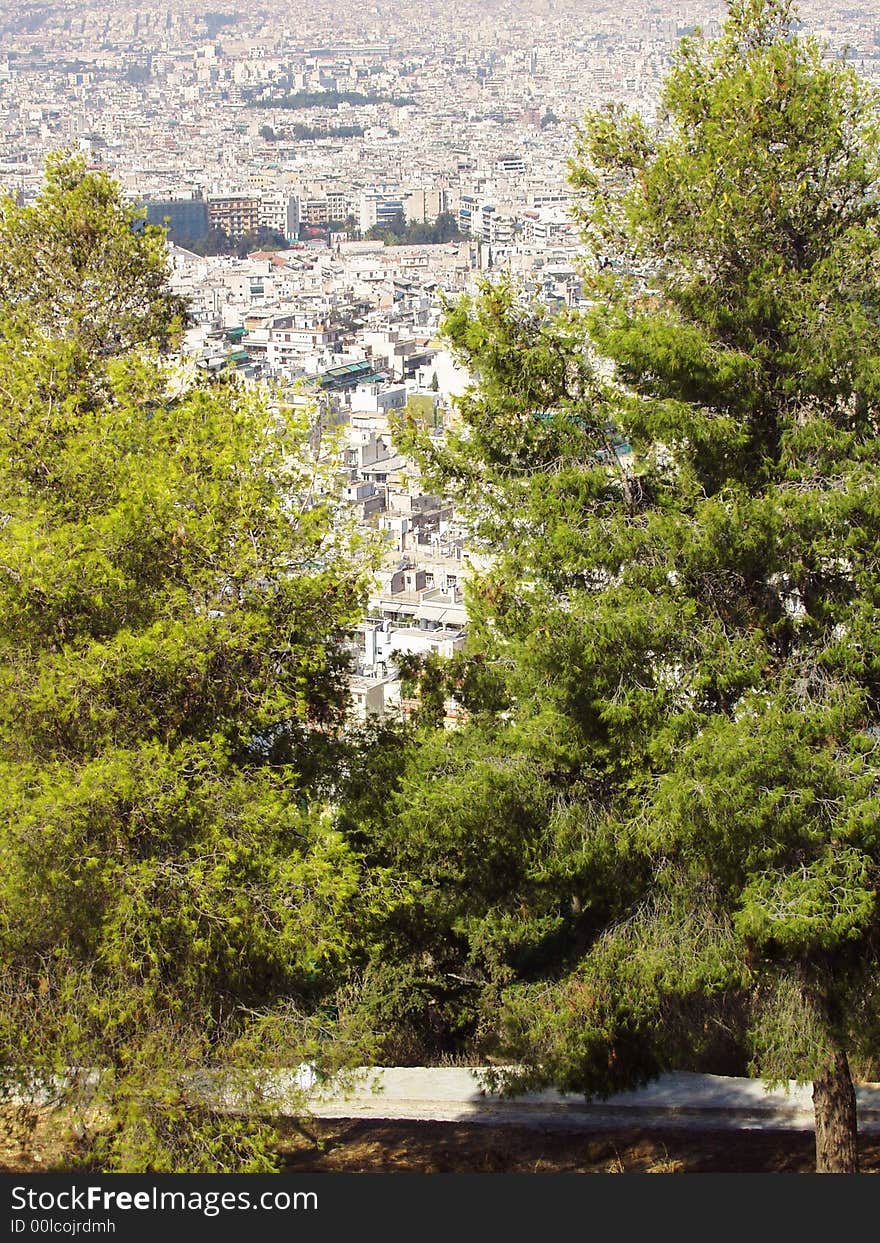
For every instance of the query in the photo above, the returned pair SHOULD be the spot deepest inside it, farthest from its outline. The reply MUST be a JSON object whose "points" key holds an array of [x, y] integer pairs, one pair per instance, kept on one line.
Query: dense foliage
{"points": [[400, 232], [81, 263], [679, 489], [175, 583], [330, 99]]}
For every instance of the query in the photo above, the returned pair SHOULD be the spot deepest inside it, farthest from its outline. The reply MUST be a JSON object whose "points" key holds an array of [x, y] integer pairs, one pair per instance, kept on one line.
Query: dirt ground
{"points": [[456, 1148], [373, 1147]]}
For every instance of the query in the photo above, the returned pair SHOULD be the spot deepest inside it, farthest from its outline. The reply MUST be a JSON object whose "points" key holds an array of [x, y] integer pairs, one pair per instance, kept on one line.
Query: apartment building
{"points": [[280, 212], [236, 214]]}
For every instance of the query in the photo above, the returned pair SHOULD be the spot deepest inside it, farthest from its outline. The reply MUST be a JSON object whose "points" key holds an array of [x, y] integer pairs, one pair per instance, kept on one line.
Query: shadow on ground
{"points": [[373, 1147]]}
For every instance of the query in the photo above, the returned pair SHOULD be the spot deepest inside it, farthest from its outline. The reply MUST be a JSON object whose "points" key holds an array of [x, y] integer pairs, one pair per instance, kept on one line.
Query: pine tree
{"points": [[687, 539], [82, 263]]}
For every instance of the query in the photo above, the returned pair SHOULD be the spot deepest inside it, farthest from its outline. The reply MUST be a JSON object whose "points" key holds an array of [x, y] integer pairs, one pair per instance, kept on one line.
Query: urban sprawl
{"points": [[327, 177]]}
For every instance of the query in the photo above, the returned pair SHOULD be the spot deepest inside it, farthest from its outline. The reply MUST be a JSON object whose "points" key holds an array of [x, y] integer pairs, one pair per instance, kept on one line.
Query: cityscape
{"points": [[242, 128]]}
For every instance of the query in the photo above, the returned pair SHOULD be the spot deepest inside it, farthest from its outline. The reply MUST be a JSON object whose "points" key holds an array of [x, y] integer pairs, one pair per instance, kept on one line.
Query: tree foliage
{"points": [[82, 263], [399, 232], [256, 97], [176, 579], [679, 491]]}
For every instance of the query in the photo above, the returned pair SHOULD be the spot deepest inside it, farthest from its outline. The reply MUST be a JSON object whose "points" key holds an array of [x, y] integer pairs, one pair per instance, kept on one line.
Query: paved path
{"points": [[453, 1094]]}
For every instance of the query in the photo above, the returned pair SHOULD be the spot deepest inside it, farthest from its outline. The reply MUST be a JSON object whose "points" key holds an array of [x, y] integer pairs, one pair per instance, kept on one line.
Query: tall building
{"points": [[424, 206], [236, 214], [337, 204], [375, 208], [315, 211], [280, 212], [185, 219], [468, 209]]}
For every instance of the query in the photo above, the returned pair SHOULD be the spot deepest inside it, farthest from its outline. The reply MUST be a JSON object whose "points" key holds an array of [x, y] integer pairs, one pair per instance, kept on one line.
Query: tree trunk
{"points": [[834, 1104]]}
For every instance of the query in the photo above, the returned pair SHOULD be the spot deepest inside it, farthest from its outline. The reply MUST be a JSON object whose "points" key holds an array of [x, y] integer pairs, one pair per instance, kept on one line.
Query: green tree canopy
{"points": [[82, 263], [399, 232], [682, 601], [176, 581]]}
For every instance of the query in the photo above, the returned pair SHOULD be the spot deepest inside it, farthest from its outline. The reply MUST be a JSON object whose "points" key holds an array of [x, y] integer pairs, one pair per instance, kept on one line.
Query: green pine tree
{"points": [[682, 602], [82, 263]]}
